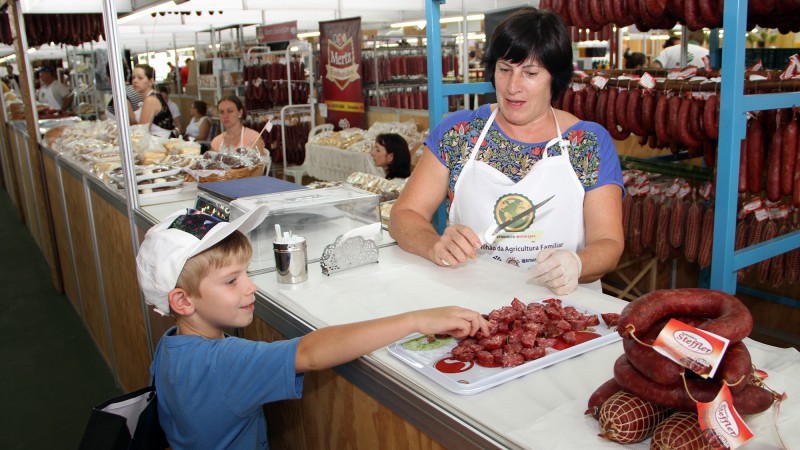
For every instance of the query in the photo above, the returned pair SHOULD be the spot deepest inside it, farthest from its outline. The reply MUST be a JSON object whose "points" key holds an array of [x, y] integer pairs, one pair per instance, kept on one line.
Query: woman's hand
{"points": [[559, 270], [457, 245]]}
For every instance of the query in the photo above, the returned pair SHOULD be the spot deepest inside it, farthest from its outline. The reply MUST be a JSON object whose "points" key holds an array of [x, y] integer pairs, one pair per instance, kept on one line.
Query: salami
{"points": [[661, 121], [591, 104], [600, 395], [684, 124], [622, 110], [627, 419], [774, 168], [711, 117], [755, 156], [634, 112], [648, 112], [788, 157], [728, 316]]}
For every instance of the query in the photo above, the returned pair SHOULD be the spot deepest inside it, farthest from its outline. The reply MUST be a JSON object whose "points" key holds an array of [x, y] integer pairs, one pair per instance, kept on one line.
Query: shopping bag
{"points": [[126, 422]]}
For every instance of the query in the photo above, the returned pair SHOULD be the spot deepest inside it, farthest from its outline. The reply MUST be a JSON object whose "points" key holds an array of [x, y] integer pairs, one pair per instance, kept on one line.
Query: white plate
{"points": [[475, 378]]}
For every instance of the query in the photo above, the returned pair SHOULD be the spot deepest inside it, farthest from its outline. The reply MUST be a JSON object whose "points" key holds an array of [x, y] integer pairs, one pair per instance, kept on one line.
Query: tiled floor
{"points": [[53, 372]]}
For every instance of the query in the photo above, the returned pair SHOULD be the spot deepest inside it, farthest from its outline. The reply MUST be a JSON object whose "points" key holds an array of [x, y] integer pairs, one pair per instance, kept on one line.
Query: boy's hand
{"points": [[453, 320]]}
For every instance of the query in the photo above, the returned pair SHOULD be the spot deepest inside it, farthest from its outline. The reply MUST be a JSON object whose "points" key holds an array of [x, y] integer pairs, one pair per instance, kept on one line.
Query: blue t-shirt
{"points": [[592, 153], [211, 392]]}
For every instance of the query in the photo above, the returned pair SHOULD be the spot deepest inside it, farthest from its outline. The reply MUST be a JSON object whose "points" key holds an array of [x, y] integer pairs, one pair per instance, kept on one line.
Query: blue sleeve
{"points": [[610, 171], [448, 123], [254, 373]]}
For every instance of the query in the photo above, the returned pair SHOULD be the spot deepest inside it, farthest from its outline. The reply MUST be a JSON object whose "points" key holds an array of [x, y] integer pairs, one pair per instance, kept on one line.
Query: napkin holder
{"points": [[348, 253]]}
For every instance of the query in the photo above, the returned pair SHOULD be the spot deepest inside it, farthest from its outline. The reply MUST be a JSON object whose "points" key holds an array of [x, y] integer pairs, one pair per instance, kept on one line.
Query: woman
{"points": [[497, 161], [154, 110], [199, 126], [390, 152], [231, 113], [133, 100]]}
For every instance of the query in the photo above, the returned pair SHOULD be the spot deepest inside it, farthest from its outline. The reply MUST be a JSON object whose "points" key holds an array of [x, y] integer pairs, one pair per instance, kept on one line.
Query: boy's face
{"points": [[225, 298]]}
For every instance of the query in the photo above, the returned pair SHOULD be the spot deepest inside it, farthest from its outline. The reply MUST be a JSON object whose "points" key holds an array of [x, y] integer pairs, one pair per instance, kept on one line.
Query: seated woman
{"points": [[390, 152], [154, 111], [231, 113], [200, 125]]}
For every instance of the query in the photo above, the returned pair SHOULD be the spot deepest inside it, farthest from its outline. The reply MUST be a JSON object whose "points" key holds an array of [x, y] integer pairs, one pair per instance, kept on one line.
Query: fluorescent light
{"points": [[145, 12], [422, 23], [308, 34], [8, 58]]}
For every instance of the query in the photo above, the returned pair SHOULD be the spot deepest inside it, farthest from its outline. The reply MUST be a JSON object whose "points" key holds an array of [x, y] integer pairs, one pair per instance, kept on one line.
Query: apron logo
{"points": [[510, 205]]}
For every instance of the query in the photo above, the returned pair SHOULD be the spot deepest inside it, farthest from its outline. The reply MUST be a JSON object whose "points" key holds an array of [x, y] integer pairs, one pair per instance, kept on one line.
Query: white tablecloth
{"points": [[543, 409], [334, 164]]}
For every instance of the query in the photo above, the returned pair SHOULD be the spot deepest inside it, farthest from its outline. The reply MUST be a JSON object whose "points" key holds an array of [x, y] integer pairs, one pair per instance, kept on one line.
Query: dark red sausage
{"points": [[648, 112], [774, 168], [634, 111], [578, 104], [662, 130], [730, 318], [600, 115], [755, 156], [711, 117], [788, 157], [673, 112], [596, 10], [676, 397], [622, 110], [611, 117], [566, 102], [752, 399], [743, 166], [591, 104], [736, 367], [683, 125], [600, 395], [696, 119]]}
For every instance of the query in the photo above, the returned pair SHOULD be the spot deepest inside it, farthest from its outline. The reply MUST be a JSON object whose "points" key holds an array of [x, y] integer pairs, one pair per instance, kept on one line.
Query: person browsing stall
{"points": [[231, 114], [133, 100], [390, 153], [154, 111], [670, 57], [199, 126], [211, 386], [173, 107], [53, 92], [497, 161]]}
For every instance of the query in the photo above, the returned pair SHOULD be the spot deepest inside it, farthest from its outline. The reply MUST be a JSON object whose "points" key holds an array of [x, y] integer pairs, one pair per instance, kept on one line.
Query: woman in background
{"points": [[199, 126], [231, 114], [390, 152], [154, 110]]}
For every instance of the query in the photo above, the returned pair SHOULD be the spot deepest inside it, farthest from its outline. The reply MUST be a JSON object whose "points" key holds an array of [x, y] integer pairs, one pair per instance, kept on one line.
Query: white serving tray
{"points": [[475, 378]]}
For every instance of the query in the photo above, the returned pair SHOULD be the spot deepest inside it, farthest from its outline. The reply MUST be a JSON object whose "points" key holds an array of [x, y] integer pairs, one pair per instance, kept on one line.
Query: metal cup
{"points": [[291, 262]]}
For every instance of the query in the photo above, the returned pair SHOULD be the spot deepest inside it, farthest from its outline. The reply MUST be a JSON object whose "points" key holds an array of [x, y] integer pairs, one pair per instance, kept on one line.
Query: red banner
{"points": [[278, 32], [340, 58]]}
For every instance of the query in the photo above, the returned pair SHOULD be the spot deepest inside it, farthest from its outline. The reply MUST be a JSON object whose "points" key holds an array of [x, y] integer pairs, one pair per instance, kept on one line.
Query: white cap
{"points": [[168, 245]]}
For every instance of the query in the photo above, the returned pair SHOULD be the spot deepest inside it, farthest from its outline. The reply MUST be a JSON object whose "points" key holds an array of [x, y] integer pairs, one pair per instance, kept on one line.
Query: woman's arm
{"points": [[149, 109], [216, 142], [332, 346], [131, 116], [411, 217], [205, 128], [602, 218]]}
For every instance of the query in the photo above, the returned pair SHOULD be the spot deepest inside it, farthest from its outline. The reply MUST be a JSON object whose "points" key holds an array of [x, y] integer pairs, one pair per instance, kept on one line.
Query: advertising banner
{"points": [[340, 60], [278, 32]]}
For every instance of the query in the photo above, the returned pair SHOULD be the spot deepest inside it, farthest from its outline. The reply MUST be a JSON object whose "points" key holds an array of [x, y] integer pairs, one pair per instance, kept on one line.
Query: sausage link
{"points": [[622, 110], [566, 102], [627, 213], [663, 249], [636, 229], [661, 121], [600, 115], [683, 124], [597, 13], [788, 157], [711, 117], [578, 102], [755, 156], [627, 419], [677, 223], [774, 167], [696, 119], [673, 112], [728, 316], [648, 112], [706, 239], [692, 239], [777, 269], [743, 166], [681, 430], [634, 112], [611, 117], [736, 367], [648, 221], [591, 104], [600, 395]]}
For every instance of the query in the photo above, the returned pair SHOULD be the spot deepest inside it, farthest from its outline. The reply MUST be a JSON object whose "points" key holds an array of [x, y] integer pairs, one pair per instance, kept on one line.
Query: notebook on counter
{"points": [[230, 190]]}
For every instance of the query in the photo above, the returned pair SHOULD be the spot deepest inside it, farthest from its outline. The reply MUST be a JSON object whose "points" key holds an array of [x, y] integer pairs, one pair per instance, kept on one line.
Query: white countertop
{"points": [[543, 409]]}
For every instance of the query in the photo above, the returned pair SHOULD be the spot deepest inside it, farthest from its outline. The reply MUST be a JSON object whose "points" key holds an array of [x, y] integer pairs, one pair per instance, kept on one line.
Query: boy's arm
{"points": [[332, 346]]}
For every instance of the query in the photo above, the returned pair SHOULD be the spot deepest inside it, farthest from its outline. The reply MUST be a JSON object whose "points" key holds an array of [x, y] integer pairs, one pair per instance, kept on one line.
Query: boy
{"points": [[211, 387]]}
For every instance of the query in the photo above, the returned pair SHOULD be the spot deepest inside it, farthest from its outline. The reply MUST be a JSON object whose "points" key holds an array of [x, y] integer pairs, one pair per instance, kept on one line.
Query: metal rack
{"points": [[84, 83], [734, 106]]}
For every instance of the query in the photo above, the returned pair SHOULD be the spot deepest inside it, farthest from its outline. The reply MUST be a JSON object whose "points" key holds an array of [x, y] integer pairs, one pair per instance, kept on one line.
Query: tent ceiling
{"points": [[164, 32]]}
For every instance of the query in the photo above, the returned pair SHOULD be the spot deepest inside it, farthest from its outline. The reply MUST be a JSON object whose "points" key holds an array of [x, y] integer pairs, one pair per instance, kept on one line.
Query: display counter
{"points": [[334, 164], [377, 401]]}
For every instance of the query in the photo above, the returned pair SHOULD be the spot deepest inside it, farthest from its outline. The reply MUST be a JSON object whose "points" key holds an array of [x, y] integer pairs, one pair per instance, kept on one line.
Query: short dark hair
{"points": [[236, 101], [200, 106], [396, 145], [149, 72], [534, 34], [163, 89], [635, 59], [698, 36]]}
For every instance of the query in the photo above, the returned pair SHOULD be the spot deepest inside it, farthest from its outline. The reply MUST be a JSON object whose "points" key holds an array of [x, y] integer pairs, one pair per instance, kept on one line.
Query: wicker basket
{"points": [[232, 174]]}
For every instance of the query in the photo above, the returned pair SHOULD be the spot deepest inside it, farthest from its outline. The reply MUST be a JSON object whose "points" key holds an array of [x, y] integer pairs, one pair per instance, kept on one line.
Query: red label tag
{"points": [[752, 205], [705, 190], [757, 66], [647, 81], [599, 82], [792, 69], [684, 190], [721, 424], [761, 214], [581, 74], [693, 348], [706, 62]]}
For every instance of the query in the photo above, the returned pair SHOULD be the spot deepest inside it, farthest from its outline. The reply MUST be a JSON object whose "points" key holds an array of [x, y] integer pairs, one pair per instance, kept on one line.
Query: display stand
{"points": [[84, 84], [733, 108]]}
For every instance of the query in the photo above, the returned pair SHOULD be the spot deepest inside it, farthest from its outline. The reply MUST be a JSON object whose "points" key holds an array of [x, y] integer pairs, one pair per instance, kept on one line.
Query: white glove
{"points": [[559, 270]]}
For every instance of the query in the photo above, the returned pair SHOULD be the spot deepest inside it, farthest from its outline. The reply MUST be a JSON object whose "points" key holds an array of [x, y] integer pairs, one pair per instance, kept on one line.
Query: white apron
{"points": [[46, 96], [486, 197]]}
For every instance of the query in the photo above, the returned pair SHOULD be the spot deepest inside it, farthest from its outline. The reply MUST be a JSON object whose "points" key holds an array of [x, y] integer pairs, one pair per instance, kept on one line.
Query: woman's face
{"points": [[140, 82], [229, 115], [523, 90], [380, 156]]}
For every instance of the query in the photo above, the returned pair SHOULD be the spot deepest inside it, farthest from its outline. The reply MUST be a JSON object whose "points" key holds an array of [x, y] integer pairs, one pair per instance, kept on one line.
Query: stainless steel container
{"points": [[291, 261]]}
